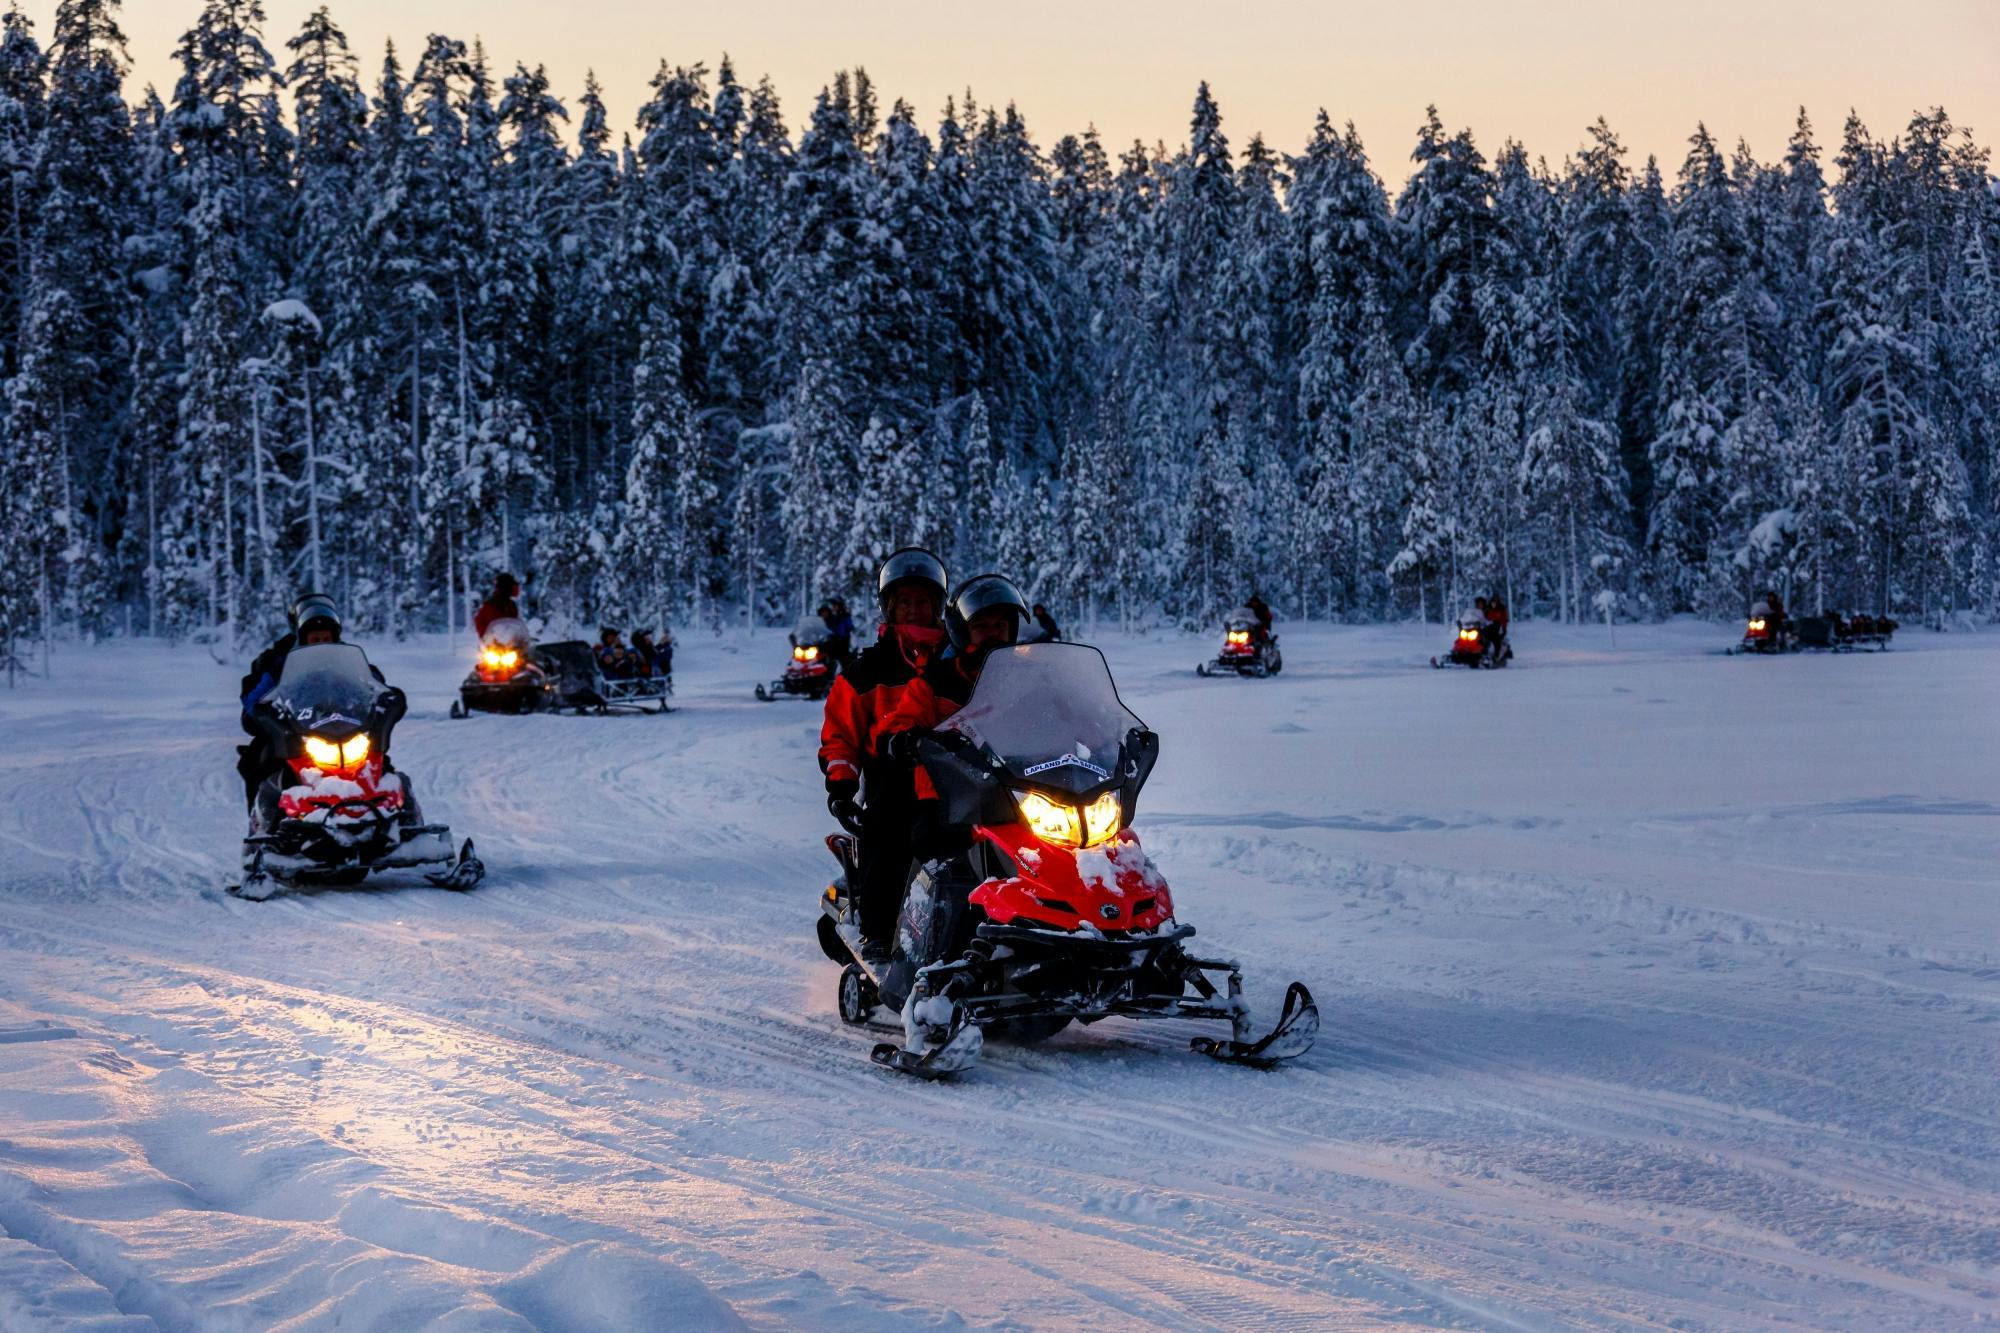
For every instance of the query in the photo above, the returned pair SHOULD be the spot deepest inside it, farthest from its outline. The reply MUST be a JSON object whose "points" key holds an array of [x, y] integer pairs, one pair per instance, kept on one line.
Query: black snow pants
{"points": [[886, 847]]}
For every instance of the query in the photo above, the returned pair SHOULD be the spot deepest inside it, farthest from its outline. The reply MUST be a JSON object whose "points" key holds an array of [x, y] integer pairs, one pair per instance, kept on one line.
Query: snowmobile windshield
{"points": [[327, 683], [810, 630], [1241, 618], [507, 633], [1049, 712]]}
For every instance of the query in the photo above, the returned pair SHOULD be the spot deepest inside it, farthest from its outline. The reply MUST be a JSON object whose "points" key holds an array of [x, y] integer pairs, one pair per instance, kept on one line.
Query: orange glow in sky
{"points": [[1538, 72]]}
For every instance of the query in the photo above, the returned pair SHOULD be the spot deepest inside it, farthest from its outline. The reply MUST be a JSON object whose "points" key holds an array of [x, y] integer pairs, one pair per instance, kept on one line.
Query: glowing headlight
{"points": [[1468, 634], [332, 756], [1101, 819], [1066, 825], [1239, 636], [500, 658], [1757, 626], [806, 654]]}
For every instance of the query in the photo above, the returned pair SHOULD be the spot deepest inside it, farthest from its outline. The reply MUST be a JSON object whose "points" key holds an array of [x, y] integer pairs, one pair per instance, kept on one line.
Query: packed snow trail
{"points": [[1659, 989]]}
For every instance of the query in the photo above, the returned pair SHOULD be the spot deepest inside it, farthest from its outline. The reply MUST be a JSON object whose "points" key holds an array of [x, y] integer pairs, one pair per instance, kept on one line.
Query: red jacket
{"points": [[865, 695], [1496, 614]]}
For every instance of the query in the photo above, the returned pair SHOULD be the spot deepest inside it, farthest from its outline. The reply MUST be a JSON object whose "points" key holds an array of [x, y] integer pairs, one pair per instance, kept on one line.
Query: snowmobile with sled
{"points": [[1053, 914], [1477, 643], [1248, 649], [809, 675], [336, 812], [577, 684], [508, 677], [1767, 632]]}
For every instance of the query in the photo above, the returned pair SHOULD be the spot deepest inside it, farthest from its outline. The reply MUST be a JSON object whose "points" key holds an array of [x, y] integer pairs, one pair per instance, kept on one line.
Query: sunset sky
{"points": [[1538, 71]]}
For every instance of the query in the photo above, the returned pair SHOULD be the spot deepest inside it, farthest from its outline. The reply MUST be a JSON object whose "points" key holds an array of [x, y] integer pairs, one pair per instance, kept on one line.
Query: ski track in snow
{"points": [[1658, 990]]}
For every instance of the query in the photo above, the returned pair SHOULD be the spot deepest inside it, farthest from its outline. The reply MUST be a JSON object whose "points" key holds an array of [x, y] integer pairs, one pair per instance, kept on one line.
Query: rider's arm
{"points": [[843, 732]]}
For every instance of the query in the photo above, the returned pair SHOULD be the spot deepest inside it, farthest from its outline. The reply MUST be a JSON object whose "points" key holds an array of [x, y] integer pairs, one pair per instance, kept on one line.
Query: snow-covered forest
{"points": [[384, 330]]}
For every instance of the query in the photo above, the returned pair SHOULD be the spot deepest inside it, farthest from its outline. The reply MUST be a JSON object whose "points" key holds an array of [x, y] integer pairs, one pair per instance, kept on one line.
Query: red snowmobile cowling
{"points": [[1112, 887], [362, 791]]}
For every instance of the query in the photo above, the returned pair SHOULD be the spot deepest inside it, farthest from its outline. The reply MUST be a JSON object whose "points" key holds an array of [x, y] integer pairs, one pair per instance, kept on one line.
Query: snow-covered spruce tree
{"points": [[233, 158], [642, 552], [65, 404], [1444, 224], [1705, 364], [23, 114]]}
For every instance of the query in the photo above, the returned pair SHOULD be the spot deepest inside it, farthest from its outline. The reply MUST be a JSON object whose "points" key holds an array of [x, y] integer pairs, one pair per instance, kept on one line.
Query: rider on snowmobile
{"points": [[987, 612], [314, 620], [910, 588]]}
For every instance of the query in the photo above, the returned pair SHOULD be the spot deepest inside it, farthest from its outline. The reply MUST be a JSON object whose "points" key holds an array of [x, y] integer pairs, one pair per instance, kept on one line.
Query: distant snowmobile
{"points": [[1477, 644], [1248, 649], [508, 677], [336, 812], [1767, 632], [1055, 914], [809, 675]]}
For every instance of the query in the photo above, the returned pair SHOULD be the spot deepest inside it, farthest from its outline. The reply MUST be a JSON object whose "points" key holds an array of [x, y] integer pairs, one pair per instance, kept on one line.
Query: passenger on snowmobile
{"points": [[314, 620], [499, 604], [840, 623], [985, 613], [910, 589]]}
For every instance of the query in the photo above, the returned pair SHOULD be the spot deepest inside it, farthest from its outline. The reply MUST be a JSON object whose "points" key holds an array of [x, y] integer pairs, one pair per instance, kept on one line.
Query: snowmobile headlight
{"points": [[1101, 819], [334, 756], [1468, 634], [500, 658], [1239, 636], [806, 653], [1757, 625], [1052, 821]]}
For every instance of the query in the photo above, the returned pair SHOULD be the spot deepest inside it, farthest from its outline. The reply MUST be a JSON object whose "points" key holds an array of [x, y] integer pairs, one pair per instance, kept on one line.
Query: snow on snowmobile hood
{"points": [[508, 632]]}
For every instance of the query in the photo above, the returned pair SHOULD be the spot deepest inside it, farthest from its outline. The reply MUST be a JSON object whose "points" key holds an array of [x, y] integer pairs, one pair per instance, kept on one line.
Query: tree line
{"points": [[282, 330]]}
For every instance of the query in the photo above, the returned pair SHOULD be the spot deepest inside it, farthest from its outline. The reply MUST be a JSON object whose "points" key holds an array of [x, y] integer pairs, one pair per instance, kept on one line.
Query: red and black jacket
{"points": [[866, 695], [941, 690]]}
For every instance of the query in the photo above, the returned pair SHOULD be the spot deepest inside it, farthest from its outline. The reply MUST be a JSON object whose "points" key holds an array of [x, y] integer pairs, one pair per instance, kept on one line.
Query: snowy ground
{"points": [[1660, 990]]}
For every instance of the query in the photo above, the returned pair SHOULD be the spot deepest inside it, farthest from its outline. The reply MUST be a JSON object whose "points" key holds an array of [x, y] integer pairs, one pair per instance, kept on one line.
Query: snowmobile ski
{"points": [[1290, 1037]]}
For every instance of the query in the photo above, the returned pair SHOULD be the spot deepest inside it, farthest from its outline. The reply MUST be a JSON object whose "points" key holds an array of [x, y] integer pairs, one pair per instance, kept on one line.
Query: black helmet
{"points": [[982, 592], [314, 608], [911, 564]]}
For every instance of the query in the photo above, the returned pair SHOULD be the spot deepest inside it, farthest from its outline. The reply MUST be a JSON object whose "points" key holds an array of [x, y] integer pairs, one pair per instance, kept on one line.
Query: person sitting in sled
{"points": [[499, 604], [614, 659], [650, 657], [910, 589], [314, 619]]}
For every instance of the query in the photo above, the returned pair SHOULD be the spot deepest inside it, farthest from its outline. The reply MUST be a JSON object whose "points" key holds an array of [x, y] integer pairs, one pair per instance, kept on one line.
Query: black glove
{"points": [[901, 746], [840, 794]]}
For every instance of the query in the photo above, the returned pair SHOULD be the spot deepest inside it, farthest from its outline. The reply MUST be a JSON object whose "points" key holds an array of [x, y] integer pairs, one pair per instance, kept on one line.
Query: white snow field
{"points": [[1660, 989]]}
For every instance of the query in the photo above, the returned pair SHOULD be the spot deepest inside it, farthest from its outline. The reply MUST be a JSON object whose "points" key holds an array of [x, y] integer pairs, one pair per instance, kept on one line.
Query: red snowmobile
{"points": [[1767, 631], [1054, 913], [337, 812], [809, 675], [1248, 649], [1478, 643], [509, 676]]}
